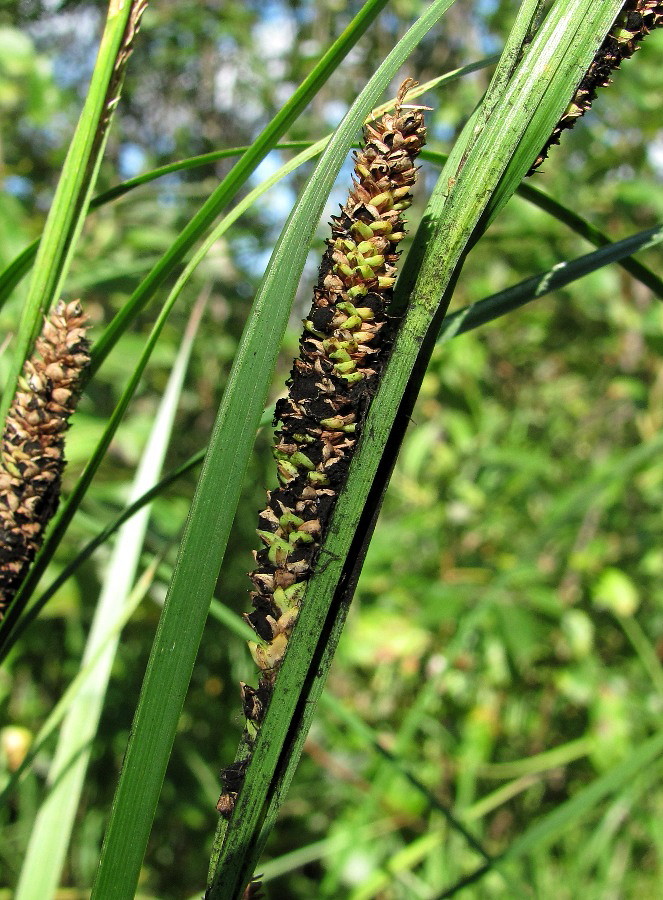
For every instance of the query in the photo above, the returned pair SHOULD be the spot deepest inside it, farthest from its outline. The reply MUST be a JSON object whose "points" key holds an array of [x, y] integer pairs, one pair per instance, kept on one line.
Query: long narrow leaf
{"points": [[590, 232], [50, 836], [70, 695], [79, 173], [68, 510], [214, 504], [550, 827], [559, 276], [13, 273], [565, 44], [460, 322], [234, 180]]}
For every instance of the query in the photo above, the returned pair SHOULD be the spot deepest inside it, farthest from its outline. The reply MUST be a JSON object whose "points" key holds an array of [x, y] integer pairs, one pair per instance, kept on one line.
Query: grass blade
{"points": [[214, 504], [550, 827], [560, 49], [76, 183], [460, 322], [591, 233], [66, 513], [234, 180], [15, 271], [50, 836], [491, 308]]}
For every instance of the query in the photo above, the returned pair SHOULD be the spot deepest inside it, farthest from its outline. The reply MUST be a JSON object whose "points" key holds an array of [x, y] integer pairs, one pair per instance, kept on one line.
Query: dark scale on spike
{"points": [[344, 347], [636, 19]]}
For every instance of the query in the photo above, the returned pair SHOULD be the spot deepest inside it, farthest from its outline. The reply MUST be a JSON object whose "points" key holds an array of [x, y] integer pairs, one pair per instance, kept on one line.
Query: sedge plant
{"points": [[543, 81]]}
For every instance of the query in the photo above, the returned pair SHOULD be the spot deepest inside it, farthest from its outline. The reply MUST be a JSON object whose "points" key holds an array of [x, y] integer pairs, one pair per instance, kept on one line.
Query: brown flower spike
{"points": [[32, 452], [636, 19], [346, 341]]}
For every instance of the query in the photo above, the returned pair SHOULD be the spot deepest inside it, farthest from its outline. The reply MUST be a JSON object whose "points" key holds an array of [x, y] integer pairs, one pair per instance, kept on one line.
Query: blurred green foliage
{"points": [[512, 599]]}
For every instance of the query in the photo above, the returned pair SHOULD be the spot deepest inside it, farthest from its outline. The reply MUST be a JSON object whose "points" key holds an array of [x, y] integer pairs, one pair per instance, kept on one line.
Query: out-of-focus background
{"points": [[512, 600]]}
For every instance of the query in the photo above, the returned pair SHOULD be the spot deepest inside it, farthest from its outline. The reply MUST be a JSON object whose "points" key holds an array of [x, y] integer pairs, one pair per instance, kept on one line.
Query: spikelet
{"points": [[345, 344], [636, 19], [32, 452]]}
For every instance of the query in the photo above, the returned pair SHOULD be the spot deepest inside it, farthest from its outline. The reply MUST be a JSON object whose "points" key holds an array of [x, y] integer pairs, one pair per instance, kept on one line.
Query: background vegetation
{"points": [[505, 639]]}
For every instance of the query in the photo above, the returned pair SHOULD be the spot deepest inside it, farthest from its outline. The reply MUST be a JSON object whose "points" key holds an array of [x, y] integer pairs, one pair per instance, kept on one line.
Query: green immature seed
{"points": [[280, 599], [340, 354], [381, 227], [286, 471], [353, 377], [251, 729], [334, 423], [386, 281], [348, 271], [365, 272], [268, 656], [365, 312], [268, 537], [302, 461], [289, 598], [299, 537], [308, 325], [345, 367], [295, 593], [11, 467], [290, 520], [353, 322], [278, 552], [362, 229], [622, 34], [374, 261], [383, 199], [358, 290], [318, 478]]}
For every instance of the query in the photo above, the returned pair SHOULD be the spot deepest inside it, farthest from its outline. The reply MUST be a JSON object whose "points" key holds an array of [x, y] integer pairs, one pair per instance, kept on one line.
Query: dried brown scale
{"points": [[253, 890], [32, 452], [636, 19], [345, 344]]}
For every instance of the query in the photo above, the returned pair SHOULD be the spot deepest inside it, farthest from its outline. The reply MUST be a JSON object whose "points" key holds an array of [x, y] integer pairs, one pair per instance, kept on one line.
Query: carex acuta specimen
{"points": [[344, 347]]}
